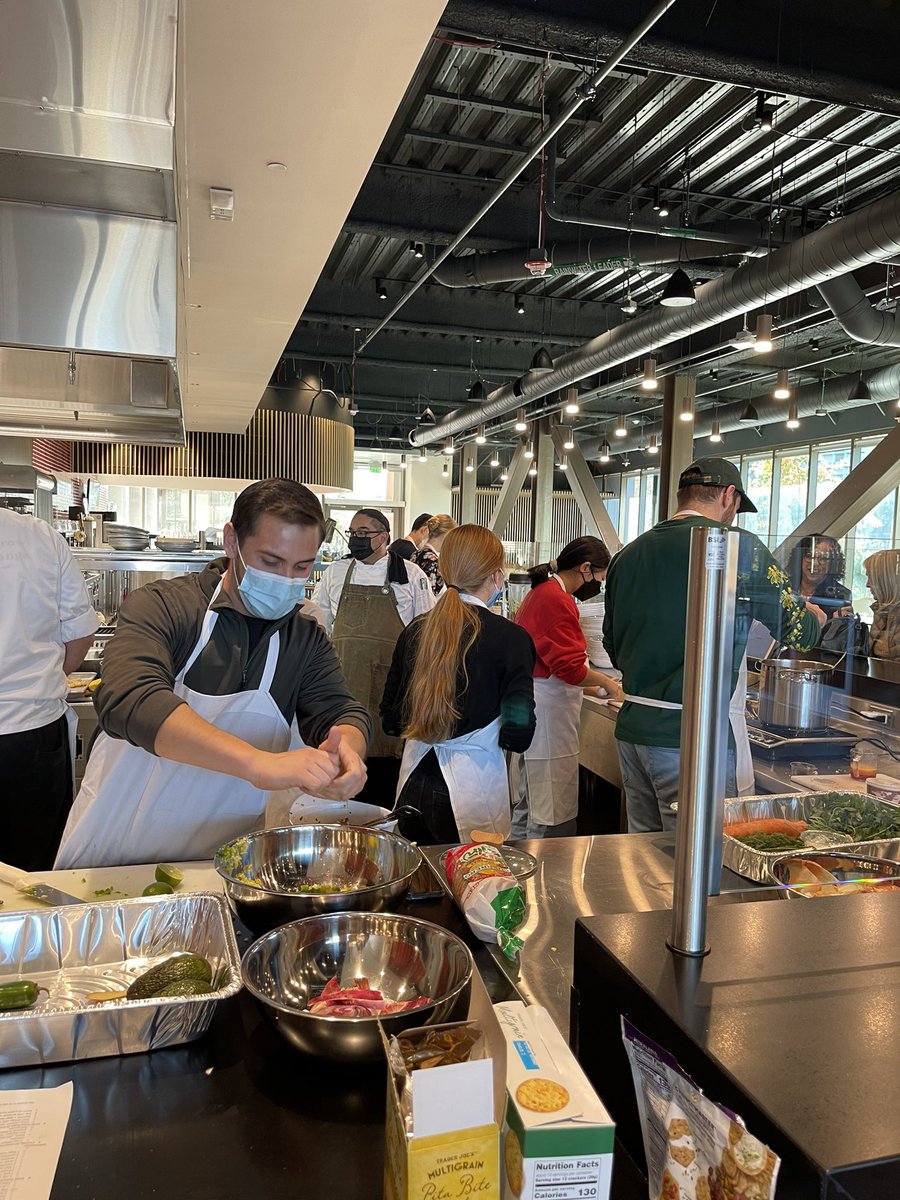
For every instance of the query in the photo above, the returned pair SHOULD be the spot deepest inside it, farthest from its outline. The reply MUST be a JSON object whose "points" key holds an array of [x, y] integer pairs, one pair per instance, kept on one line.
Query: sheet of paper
{"points": [[32, 1128]]}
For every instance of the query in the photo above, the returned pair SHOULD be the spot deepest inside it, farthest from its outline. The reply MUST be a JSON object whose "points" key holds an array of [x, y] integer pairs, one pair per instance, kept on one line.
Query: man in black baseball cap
{"points": [[717, 473], [643, 632]]}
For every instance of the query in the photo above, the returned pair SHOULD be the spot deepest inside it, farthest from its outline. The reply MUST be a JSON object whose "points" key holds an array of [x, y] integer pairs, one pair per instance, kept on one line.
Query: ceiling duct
{"points": [[87, 221], [856, 315], [869, 235], [883, 383]]}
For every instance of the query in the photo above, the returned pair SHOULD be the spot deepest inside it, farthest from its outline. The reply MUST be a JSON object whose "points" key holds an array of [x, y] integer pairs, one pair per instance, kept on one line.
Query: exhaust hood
{"points": [[88, 252]]}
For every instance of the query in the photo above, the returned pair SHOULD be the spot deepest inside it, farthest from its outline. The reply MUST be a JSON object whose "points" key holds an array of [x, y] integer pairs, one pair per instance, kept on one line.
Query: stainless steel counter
{"points": [[582, 876]]}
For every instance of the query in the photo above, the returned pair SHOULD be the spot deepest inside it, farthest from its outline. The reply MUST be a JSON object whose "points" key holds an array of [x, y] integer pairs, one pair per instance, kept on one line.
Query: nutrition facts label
{"points": [[568, 1178]]}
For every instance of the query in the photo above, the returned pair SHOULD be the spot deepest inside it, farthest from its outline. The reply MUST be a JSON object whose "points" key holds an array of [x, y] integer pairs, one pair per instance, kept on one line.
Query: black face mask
{"points": [[588, 590], [360, 547]]}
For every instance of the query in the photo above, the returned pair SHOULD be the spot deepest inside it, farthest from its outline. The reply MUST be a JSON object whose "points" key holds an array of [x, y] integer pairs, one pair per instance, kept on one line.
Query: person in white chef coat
{"points": [[460, 691], [368, 600], [47, 624], [218, 690]]}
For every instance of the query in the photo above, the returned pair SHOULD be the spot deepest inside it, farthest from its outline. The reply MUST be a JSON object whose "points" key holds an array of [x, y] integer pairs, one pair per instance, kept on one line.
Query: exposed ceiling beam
{"points": [[506, 107]]}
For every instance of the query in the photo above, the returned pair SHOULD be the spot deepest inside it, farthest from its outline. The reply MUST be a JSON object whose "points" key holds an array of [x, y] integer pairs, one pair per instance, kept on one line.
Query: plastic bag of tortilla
{"points": [[488, 894]]}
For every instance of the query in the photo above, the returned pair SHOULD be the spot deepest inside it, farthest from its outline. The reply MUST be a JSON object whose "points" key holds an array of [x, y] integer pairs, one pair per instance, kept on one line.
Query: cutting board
{"points": [[839, 783], [125, 881]]}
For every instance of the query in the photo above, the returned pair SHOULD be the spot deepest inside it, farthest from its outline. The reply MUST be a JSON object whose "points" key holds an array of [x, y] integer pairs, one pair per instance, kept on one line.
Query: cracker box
{"points": [[453, 1149], [557, 1138]]}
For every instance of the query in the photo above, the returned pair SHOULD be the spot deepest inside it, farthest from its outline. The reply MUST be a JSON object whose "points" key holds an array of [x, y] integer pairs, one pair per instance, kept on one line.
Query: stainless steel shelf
{"points": [[144, 560]]}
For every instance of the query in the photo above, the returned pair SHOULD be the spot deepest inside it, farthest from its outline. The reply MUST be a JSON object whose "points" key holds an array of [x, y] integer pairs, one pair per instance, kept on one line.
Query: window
{"points": [[832, 465], [793, 486], [757, 473]]}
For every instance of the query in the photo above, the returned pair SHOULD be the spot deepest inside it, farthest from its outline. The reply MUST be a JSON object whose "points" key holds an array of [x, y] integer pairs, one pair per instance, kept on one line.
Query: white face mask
{"points": [[266, 595]]}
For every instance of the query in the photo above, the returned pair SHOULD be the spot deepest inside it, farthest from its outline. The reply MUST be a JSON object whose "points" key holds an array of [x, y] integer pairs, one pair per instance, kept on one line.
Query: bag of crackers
{"points": [[696, 1149]]}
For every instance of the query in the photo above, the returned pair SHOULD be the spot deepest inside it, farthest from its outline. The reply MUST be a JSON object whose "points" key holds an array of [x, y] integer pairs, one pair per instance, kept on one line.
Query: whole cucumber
{"points": [[20, 993]]}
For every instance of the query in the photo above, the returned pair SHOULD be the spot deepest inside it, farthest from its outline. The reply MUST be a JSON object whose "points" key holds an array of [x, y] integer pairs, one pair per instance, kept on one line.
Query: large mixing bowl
{"points": [[263, 872], [848, 868], [402, 957]]}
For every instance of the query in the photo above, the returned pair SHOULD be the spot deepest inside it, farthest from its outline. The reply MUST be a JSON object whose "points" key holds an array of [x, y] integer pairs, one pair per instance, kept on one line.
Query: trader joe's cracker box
{"points": [[444, 1106], [557, 1138]]}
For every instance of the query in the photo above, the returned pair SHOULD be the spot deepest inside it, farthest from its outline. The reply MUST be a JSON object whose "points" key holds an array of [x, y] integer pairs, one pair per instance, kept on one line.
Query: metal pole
{"points": [[585, 91], [708, 656]]}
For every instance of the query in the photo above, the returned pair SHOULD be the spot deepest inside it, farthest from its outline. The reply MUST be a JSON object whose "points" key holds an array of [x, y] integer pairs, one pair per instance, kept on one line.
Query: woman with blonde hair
{"points": [[460, 692], [883, 578], [427, 555]]}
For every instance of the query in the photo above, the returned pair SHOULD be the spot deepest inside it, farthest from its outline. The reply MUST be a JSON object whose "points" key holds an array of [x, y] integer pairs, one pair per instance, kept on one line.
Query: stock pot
{"points": [[793, 694]]}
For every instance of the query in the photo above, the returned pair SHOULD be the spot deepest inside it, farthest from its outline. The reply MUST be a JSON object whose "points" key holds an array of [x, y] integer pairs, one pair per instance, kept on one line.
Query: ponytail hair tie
{"points": [[552, 565], [454, 587]]}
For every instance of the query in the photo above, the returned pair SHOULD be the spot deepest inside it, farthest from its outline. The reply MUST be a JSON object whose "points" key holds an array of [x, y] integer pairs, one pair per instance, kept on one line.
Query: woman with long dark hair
{"points": [[460, 692], [816, 568], [548, 805]]}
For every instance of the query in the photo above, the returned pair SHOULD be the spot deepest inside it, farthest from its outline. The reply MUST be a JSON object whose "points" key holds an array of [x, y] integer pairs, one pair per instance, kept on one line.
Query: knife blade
{"points": [[37, 891]]}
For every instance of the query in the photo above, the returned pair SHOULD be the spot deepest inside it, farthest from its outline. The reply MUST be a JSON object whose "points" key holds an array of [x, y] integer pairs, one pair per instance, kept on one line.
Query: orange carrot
{"points": [[766, 825]]}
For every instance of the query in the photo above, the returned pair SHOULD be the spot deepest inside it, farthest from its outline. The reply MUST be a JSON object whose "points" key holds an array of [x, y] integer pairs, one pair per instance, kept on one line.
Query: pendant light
{"points": [[495, 459], [782, 389], [687, 408], [653, 444], [423, 455], [529, 450], [470, 466], [749, 415], [629, 306], [476, 392], [448, 446], [571, 405], [763, 341], [793, 420], [564, 463], [604, 451], [860, 390], [679, 291], [520, 306], [715, 433], [621, 429], [649, 382], [521, 424], [568, 439], [446, 470], [402, 462], [504, 475], [744, 338], [532, 470], [480, 437], [380, 290], [541, 361]]}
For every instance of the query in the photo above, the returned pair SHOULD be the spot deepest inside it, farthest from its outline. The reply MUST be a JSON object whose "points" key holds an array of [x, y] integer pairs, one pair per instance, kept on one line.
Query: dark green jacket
{"points": [[646, 614]]}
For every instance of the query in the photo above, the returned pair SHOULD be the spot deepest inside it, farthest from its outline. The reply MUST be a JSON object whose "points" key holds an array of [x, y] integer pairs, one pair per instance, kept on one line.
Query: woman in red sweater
{"points": [[548, 804]]}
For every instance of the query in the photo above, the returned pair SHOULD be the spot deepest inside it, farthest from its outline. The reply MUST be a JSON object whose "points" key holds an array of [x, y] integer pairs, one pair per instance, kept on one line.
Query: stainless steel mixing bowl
{"points": [[402, 957], [846, 865], [263, 870]]}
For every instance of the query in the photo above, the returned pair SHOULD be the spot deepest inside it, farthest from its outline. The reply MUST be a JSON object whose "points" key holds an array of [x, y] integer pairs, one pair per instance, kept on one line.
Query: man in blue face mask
{"points": [[218, 690]]}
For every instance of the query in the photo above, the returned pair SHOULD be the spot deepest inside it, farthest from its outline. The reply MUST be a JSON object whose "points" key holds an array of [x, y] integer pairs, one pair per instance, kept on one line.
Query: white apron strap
{"points": [[209, 619], [646, 700], [268, 674]]}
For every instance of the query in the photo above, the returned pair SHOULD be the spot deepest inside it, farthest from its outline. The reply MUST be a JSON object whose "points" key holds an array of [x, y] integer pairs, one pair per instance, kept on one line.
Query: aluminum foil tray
{"points": [[754, 864], [83, 948]]}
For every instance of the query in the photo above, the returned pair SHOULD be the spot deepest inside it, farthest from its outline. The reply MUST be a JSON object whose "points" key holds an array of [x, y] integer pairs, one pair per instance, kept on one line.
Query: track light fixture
{"points": [[520, 306], [679, 291], [763, 115], [793, 419], [649, 382], [568, 439], [715, 433], [782, 390], [762, 343], [749, 415], [860, 390], [653, 444], [380, 290], [521, 424], [687, 408], [604, 451], [480, 437]]}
